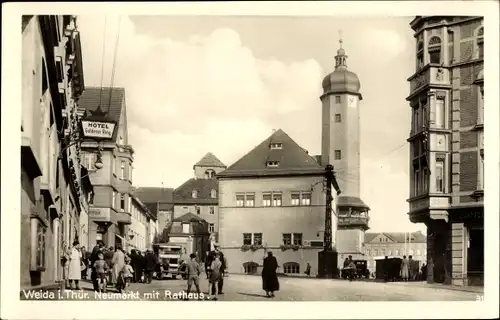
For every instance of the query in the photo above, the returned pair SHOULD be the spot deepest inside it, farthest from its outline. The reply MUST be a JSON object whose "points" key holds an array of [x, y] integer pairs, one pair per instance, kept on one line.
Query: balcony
{"points": [[123, 217], [431, 75], [346, 221]]}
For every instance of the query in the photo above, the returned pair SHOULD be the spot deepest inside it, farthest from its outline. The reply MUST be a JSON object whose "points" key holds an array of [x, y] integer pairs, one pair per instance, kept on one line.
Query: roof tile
{"points": [[210, 160], [204, 187]]}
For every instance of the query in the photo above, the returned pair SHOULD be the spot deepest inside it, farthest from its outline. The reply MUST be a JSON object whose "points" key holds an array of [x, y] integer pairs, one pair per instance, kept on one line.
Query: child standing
{"points": [[128, 272], [215, 275], [101, 269]]}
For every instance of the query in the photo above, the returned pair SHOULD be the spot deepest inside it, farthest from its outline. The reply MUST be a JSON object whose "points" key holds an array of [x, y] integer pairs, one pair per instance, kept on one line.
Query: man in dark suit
{"points": [[210, 258]]}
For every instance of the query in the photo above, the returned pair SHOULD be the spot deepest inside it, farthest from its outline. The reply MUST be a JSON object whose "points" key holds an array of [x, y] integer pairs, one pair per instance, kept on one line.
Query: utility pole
{"points": [[327, 259]]}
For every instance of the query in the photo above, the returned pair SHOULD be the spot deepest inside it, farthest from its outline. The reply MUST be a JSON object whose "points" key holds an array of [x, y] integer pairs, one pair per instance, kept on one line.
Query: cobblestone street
{"points": [[248, 288]]}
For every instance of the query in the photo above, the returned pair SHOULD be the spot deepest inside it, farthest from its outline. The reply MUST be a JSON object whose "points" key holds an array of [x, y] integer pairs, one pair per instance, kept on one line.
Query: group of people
{"points": [[114, 267], [410, 270]]}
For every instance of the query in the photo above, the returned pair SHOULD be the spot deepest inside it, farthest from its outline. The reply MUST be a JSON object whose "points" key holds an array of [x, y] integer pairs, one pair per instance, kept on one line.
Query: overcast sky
{"points": [[222, 84]]}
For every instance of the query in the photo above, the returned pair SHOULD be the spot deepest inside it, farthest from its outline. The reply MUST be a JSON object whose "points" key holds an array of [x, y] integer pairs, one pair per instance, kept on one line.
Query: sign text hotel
{"points": [[97, 129]]}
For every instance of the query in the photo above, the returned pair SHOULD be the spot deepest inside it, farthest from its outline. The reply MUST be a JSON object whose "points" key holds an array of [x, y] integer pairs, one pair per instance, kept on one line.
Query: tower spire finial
{"points": [[340, 38]]}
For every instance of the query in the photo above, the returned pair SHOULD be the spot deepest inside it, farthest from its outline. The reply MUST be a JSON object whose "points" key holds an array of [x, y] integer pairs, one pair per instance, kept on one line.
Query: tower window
{"points": [[209, 174], [122, 170], [440, 175], [480, 43], [213, 193], [420, 55], [273, 164], [122, 202], [338, 118], [435, 50], [338, 155], [276, 146], [337, 99]]}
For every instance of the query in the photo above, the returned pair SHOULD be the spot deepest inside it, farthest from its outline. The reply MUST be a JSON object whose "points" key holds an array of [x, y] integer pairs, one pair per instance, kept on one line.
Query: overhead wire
{"points": [[102, 61], [114, 61]]}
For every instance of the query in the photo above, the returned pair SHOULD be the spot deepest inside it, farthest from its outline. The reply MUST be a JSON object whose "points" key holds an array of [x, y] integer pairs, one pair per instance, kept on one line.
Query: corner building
{"points": [[446, 145], [110, 210], [272, 199]]}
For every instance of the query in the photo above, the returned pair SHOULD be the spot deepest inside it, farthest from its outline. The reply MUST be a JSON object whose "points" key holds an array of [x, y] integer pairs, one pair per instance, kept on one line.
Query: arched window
{"points": [[291, 267], [420, 55], [250, 267], [194, 194], [213, 193], [435, 50], [480, 43], [209, 174]]}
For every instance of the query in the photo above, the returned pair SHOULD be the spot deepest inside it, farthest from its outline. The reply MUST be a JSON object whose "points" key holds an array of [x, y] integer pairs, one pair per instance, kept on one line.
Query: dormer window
{"points": [[273, 164], [276, 146], [213, 193], [194, 194]]}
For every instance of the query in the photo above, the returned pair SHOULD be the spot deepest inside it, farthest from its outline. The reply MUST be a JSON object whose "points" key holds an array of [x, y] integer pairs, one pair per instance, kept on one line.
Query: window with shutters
{"points": [[295, 199], [287, 239]]}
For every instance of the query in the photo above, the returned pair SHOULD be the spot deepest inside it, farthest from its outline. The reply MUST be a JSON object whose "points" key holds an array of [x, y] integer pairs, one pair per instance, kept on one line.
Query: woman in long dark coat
{"points": [[270, 281]]}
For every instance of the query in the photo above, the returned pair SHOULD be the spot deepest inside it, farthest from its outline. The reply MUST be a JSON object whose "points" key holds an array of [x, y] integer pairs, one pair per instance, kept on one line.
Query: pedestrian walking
{"points": [[210, 259], [117, 263], [75, 266], [270, 282], [193, 271], [308, 270], [405, 268], [108, 257], [150, 262], [101, 269], [93, 258], [215, 276]]}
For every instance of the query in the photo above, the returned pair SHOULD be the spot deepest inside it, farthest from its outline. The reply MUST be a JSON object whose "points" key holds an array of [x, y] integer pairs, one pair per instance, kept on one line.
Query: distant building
{"points": [[447, 145], [110, 210], [394, 244], [159, 202], [272, 199], [143, 228], [54, 186], [191, 231], [200, 195]]}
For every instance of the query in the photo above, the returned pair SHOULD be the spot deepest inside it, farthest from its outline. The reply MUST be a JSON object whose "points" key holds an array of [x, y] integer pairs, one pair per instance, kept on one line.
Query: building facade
{"points": [[54, 186], [143, 228], [340, 143], [199, 195], [110, 210], [160, 204], [446, 145], [192, 233], [272, 199], [394, 244]]}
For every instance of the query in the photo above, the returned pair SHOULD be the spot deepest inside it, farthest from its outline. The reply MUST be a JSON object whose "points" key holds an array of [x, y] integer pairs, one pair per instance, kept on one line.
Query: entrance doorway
{"points": [[475, 256]]}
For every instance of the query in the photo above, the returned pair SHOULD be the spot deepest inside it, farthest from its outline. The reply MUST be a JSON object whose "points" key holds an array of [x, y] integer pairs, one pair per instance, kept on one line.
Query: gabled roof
{"points": [[184, 193], [293, 159], [154, 194], [188, 217], [93, 97], [398, 237], [210, 160]]}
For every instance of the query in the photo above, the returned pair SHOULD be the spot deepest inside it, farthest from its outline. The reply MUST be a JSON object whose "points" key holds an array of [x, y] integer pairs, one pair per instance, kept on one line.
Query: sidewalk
{"points": [[422, 284]]}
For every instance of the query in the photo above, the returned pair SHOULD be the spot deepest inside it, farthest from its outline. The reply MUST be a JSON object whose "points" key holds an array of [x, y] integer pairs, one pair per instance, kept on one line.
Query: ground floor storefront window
{"points": [[291, 268], [475, 256]]}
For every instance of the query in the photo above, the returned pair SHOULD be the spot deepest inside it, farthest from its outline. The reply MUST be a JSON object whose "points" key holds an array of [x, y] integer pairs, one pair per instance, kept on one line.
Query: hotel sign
{"points": [[98, 129]]}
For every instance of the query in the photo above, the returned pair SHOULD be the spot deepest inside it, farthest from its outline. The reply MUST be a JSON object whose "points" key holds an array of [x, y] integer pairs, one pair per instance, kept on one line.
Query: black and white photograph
{"points": [[204, 153]]}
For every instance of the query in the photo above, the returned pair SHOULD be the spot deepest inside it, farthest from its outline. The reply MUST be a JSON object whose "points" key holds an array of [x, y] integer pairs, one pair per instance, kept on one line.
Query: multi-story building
{"points": [[110, 210], [143, 228], [160, 203], [199, 195], [394, 244], [340, 142], [191, 232], [272, 199], [54, 186], [446, 145]]}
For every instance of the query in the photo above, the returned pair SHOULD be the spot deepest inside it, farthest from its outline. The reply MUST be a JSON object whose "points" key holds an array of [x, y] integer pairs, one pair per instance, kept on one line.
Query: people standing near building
{"points": [[210, 259], [411, 268], [150, 262], [404, 268], [215, 275], [424, 272], [139, 270], [193, 271], [117, 263], [351, 267], [108, 257], [133, 263], [75, 266], [270, 282]]}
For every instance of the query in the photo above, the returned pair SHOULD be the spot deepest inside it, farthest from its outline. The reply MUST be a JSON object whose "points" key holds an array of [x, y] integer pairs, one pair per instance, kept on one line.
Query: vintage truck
{"points": [[170, 260]]}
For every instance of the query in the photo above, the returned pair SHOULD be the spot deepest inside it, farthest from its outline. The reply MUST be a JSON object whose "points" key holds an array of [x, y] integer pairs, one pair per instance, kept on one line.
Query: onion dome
{"points": [[341, 80]]}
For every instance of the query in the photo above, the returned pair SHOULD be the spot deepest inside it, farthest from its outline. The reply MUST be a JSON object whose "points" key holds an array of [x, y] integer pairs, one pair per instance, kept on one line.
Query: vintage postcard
{"points": [[236, 155]]}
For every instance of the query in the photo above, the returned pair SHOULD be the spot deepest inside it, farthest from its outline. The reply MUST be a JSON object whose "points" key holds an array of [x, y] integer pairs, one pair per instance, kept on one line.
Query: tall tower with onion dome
{"points": [[341, 147]]}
